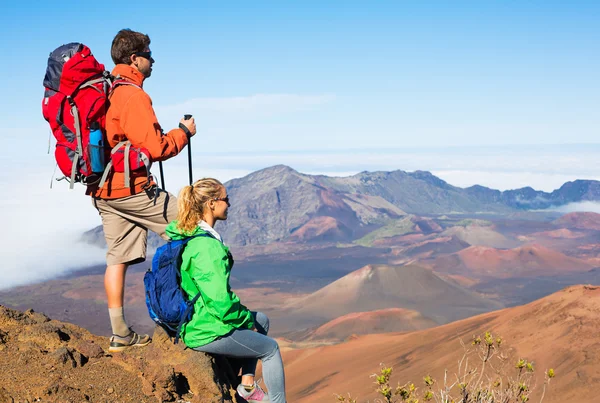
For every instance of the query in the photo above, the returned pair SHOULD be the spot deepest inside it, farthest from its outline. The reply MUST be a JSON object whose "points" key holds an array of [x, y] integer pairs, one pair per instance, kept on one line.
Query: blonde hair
{"points": [[191, 202]]}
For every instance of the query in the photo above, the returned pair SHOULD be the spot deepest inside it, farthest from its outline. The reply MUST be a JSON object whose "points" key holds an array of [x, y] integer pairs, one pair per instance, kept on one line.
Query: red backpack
{"points": [[76, 99]]}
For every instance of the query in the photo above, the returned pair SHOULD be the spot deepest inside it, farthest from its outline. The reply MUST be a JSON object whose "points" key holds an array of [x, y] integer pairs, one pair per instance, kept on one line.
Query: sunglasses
{"points": [[225, 199], [145, 55]]}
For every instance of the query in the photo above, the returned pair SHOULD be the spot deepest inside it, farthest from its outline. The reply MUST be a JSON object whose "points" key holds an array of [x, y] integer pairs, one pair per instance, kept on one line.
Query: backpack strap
{"points": [[191, 304], [110, 163], [121, 81], [127, 168], [79, 150]]}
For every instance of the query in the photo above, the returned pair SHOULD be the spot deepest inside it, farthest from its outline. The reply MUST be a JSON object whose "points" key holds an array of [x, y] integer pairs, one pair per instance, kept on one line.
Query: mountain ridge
{"points": [[274, 203]]}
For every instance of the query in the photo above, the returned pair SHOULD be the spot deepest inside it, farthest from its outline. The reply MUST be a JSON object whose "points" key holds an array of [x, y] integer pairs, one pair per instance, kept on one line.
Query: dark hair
{"points": [[126, 43]]}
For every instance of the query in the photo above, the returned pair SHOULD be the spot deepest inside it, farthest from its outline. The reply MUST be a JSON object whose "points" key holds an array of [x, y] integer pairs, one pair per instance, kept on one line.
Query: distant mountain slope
{"points": [[480, 235], [526, 261], [559, 331], [416, 192], [580, 220], [377, 287], [528, 198], [405, 225], [380, 321], [279, 203], [273, 203]]}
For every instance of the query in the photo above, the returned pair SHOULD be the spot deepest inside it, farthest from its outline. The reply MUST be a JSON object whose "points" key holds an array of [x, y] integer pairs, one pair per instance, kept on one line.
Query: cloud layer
{"points": [[238, 135]]}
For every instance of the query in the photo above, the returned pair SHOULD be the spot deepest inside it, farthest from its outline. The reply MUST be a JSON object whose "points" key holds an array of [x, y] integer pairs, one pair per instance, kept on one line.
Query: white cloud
{"points": [[249, 108], [587, 206], [40, 225]]}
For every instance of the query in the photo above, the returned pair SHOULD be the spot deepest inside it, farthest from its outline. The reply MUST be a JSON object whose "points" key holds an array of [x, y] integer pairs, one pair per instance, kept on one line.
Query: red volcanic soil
{"points": [[562, 233], [426, 225], [525, 261], [444, 244], [559, 331], [376, 287], [380, 321], [402, 240], [586, 221], [481, 235], [321, 228], [332, 199]]}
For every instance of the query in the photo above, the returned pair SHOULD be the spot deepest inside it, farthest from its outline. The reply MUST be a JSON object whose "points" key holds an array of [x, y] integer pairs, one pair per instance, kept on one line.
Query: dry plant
{"points": [[484, 375]]}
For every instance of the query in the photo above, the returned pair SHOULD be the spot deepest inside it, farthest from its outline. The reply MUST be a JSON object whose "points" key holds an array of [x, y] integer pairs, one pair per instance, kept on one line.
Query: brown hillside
{"points": [[437, 245], [580, 220], [43, 360], [562, 233], [559, 331], [375, 287], [380, 321], [321, 229], [480, 236], [526, 261]]}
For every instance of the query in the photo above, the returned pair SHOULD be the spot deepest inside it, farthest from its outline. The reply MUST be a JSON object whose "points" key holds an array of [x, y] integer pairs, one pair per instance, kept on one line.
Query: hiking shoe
{"points": [[118, 343], [255, 395]]}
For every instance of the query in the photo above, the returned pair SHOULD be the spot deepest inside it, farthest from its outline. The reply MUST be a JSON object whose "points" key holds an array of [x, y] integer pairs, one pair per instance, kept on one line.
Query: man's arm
{"points": [[141, 127]]}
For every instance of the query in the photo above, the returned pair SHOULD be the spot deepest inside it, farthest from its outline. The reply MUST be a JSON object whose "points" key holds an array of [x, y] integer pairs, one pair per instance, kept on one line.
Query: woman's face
{"points": [[221, 205]]}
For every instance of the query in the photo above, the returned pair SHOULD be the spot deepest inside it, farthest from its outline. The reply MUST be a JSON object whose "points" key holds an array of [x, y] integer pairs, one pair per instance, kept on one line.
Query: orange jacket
{"points": [[130, 116]]}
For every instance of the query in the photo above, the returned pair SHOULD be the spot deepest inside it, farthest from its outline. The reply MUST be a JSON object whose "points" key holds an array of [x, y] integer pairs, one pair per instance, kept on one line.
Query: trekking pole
{"points": [[187, 117], [162, 175], [160, 167]]}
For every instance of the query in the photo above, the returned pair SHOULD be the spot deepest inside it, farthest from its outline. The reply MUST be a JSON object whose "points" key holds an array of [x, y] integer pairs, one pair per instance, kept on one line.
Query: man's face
{"points": [[143, 62]]}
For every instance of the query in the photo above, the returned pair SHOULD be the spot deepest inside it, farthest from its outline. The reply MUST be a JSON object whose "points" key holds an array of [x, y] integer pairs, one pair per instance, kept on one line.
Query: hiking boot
{"points": [[255, 395], [118, 343]]}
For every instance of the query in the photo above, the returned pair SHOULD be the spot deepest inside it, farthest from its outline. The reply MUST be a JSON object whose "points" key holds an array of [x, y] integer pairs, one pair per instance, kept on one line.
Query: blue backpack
{"points": [[168, 304]]}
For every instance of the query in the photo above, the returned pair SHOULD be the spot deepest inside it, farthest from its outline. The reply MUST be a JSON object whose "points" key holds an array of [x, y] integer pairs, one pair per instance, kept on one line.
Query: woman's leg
{"points": [[249, 344], [261, 323]]}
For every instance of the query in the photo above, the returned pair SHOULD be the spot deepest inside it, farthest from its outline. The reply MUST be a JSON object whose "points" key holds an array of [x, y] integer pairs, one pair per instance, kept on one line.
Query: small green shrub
{"points": [[490, 379]]}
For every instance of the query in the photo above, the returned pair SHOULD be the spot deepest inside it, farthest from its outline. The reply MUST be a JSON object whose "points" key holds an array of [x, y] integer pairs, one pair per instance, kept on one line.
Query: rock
{"points": [[5, 397], [36, 316], [3, 340], [66, 355], [66, 393], [89, 349], [46, 335], [42, 361], [63, 356]]}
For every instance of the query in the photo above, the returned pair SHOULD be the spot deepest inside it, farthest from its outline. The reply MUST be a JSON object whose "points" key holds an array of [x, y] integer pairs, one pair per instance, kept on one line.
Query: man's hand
{"points": [[190, 124]]}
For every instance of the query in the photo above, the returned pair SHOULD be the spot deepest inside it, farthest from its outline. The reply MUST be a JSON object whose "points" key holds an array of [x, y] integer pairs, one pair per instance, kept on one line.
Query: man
{"points": [[128, 212]]}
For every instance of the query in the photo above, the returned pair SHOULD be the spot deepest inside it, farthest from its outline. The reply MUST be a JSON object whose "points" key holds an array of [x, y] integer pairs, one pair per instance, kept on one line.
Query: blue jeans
{"points": [[251, 346]]}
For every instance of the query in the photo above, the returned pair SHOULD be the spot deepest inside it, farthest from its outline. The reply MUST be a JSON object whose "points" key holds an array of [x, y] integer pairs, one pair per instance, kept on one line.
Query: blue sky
{"points": [[389, 74], [504, 94]]}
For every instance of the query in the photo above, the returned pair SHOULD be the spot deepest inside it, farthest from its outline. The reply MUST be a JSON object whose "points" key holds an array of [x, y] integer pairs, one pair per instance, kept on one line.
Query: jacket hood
{"points": [[176, 233]]}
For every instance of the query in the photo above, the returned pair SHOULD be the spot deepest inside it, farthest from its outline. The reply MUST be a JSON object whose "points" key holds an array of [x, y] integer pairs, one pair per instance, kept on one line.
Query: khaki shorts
{"points": [[126, 222]]}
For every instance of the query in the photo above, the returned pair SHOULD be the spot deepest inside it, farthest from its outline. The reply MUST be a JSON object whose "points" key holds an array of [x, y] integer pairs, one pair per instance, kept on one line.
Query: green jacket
{"points": [[205, 268]]}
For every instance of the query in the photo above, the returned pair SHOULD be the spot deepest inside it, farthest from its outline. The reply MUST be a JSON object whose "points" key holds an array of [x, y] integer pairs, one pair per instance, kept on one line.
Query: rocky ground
{"points": [[44, 360]]}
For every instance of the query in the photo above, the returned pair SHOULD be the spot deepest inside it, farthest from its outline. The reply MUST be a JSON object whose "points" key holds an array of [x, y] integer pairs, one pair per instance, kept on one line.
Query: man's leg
{"points": [[126, 243], [114, 284]]}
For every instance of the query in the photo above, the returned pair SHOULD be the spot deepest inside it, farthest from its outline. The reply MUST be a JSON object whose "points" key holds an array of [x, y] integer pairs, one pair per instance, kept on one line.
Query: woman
{"points": [[221, 324]]}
